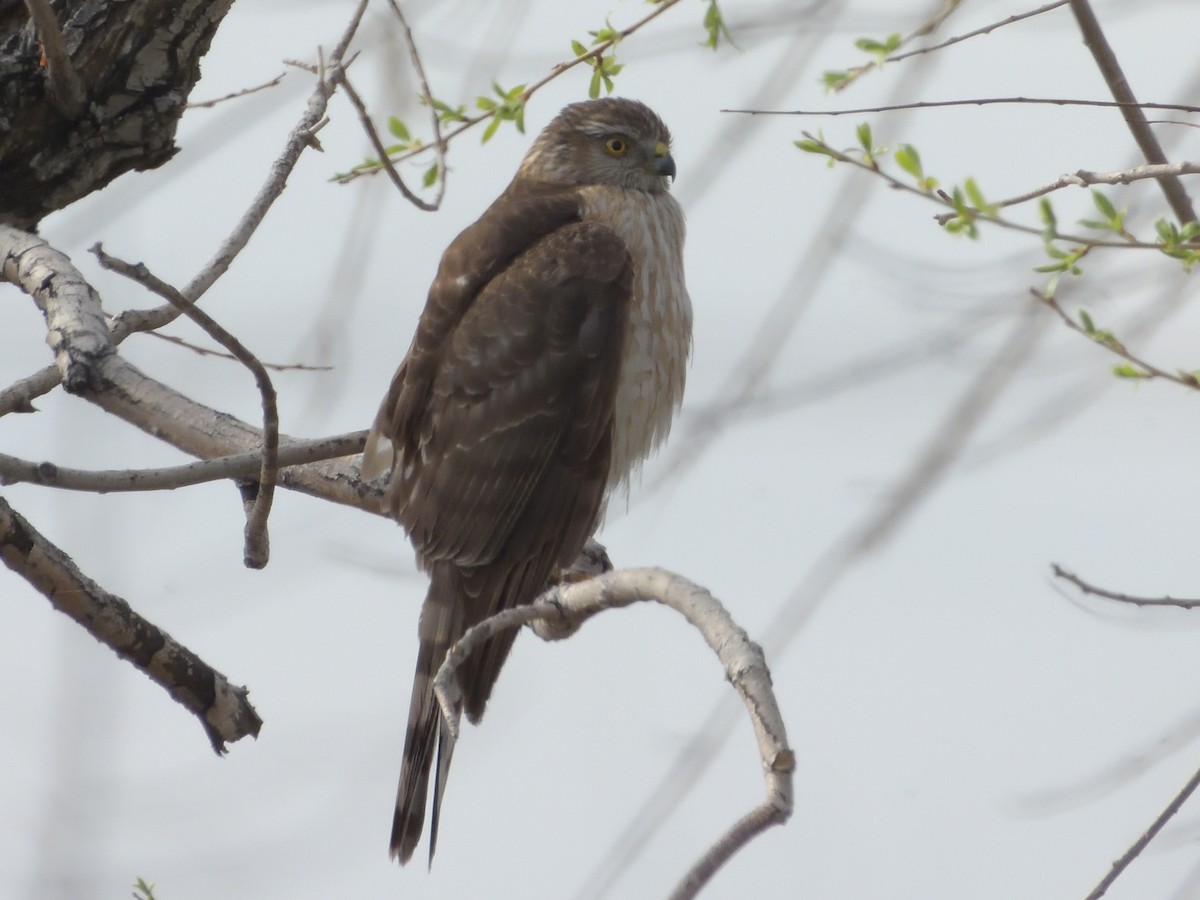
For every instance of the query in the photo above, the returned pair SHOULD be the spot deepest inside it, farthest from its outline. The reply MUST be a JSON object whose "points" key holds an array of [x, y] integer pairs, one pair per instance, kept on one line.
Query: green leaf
{"points": [[491, 129], [864, 138], [909, 160], [594, 86], [578, 48], [1102, 203], [398, 128], [1128, 370], [431, 176], [834, 79], [974, 194], [714, 24], [808, 145], [1046, 213], [1085, 320]]}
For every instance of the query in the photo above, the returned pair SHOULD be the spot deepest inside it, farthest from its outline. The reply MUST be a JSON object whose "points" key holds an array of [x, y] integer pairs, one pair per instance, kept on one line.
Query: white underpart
{"points": [[658, 337]]}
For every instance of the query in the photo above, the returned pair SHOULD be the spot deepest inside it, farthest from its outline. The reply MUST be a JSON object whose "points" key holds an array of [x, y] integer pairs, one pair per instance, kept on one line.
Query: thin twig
{"points": [[373, 136], [1135, 117], [1085, 178], [1110, 343], [217, 354], [301, 138], [239, 465], [986, 29], [65, 90], [935, 21], [209, 104], [980, 101], [257, 546], [439, 143], [221, 707], [1144, 841], [1087, 588]]}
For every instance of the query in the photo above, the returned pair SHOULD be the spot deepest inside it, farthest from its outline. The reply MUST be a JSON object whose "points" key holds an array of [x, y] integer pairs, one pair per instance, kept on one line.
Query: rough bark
{"points": [[137, 60]]}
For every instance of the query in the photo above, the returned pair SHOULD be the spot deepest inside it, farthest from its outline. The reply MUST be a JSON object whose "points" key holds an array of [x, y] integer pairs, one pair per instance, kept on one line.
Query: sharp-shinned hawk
{"points": [[547, 364]]}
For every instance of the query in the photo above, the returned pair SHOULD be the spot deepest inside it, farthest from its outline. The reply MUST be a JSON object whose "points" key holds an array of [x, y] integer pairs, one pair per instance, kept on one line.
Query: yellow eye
{"points": [[616, 146]]}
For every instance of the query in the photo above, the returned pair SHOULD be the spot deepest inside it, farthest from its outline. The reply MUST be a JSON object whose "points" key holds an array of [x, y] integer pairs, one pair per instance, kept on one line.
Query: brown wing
{"points": [[503, 463], [518, 218]]}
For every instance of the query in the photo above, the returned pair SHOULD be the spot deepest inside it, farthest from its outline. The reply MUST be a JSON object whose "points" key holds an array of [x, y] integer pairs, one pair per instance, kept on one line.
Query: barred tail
{"points": [[441, 625]]}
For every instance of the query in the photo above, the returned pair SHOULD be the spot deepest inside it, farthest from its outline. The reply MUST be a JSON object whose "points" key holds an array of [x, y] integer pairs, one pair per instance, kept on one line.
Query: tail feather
{"points": [[440, 626], [457, 599]]}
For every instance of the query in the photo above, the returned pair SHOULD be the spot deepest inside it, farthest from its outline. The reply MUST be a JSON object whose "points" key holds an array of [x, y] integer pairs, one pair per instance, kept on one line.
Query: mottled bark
{"points": [[137, 61]]}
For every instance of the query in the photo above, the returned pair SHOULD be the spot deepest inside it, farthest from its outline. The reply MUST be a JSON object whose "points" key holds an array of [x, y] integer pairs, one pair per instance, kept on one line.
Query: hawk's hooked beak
{"points": [[664, 163]]}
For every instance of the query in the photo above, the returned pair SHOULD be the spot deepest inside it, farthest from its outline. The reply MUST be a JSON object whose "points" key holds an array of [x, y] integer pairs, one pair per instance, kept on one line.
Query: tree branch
{"points": [[239, 465], [986, 29], [559, 612], [1135, 118], [1110, 343], [1144, 841], [260, 496], [223, 709], [980, 101], [76, 329], [1087, 588]]}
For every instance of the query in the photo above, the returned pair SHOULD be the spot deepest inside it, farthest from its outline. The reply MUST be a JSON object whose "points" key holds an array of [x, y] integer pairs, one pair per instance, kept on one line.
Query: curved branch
{"points": [[261, 493], [221, 707], [562, 610]]}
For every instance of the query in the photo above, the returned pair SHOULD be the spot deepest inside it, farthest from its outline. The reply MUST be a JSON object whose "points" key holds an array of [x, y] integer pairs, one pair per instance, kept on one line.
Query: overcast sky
{"points": [[965, 727]]}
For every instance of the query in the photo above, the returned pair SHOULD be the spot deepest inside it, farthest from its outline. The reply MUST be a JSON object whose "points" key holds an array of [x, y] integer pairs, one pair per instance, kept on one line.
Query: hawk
{"points": [[547, 364]]}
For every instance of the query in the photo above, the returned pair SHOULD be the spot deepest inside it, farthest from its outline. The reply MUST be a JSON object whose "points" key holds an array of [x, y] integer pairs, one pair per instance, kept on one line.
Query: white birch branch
{"points": [[559, 612]]}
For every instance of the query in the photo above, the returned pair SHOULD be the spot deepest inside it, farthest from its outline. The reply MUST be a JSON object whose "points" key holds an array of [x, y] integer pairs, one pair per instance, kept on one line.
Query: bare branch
{"points": [[1085, 178], [986, 29], [240, 465], [1135, 117], [218, 354], [222, 708], [1087, 588], [300, 138], [560, 611], [209, 104], [65, 88], [1144, 841], [76, 330], [979, 101], [19, 397], [257, 546]]}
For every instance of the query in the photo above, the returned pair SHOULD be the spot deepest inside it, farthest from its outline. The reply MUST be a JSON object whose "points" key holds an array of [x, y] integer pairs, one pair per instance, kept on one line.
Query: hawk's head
{"points": [[611, 141]]}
